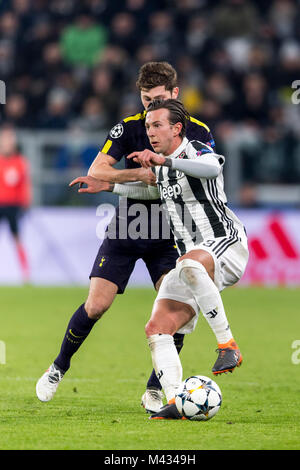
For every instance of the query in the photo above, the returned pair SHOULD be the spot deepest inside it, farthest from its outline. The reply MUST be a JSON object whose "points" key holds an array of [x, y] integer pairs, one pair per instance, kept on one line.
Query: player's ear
{"points": [[175, 93], [177, 129]]}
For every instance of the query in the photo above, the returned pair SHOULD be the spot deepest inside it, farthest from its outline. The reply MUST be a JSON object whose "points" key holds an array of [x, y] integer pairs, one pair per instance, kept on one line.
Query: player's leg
{"points": [[13, 215], [153, 381], [109, 276], [100, 298], [160, 259], [197, 271], [167, 317]]}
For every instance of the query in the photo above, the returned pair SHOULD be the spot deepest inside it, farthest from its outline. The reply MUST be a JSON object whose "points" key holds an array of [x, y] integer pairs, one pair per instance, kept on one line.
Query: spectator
{"points": [[57, 114], [197, 36], [9, 26], [141, 10], [282, 15], [7, 59], [93, 116], [83, 41], [218, 88], [162, 35], [123, 32], [15, 191], [103, 87], [252, 104], [235, 18], [16, 111]]}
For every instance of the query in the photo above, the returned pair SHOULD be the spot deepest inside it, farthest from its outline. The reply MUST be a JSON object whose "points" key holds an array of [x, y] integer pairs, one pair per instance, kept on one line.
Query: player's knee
{"points": [[155, 327], [190, 271], [95, 309], [150, 328]]}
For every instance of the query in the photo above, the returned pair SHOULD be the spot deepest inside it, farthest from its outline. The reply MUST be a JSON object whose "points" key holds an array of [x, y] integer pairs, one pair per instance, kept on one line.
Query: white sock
{"points": [[207, 296], [166, 363]]}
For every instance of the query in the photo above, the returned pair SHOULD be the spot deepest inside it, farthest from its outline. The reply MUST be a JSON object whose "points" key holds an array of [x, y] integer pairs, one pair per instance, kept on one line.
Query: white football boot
{"points": [[152, 400], [48, 383]]}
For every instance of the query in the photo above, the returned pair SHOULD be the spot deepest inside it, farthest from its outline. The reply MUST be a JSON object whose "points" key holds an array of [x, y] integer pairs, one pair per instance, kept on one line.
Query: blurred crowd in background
{"points": [[71, 64]]}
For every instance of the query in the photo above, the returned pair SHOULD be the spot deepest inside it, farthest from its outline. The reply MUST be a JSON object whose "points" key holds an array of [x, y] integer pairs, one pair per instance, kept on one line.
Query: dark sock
{"points": [[78, 329], [153, 381]]}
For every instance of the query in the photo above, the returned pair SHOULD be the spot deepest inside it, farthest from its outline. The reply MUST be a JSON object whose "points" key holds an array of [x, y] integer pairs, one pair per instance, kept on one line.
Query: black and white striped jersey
{"points": [[196, 207]]}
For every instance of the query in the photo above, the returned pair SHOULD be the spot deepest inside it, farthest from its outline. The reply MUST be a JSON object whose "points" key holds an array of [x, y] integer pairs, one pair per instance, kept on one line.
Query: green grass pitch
{"points": [[97, 405]]}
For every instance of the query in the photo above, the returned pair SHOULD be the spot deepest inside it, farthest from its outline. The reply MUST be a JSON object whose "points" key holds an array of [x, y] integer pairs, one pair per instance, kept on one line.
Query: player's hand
{"points": [[147, 176], [93, 185], [147, 159]]}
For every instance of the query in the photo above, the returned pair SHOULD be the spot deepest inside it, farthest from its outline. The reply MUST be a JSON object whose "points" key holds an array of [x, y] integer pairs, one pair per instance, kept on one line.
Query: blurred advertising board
{"points": [[274, 247], [61, 245]]}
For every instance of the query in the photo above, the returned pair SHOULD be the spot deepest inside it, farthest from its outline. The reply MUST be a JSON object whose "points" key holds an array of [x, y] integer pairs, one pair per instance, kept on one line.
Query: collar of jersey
{"points": [[179, 149]]}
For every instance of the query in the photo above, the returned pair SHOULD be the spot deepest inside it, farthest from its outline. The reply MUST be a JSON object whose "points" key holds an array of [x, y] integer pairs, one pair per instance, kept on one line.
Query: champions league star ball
{"points": [[198, 398]]}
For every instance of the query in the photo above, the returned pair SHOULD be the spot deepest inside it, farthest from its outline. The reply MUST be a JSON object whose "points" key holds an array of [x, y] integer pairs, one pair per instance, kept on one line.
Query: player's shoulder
{"points": [[197, 124], [134, 118], [199, 131], [127, 125], [198, 146]]}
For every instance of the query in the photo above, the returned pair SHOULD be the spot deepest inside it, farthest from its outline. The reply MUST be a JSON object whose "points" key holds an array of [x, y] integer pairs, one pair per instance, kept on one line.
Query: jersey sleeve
{"points": [[115, 144], [197, 150], [199, 161]]}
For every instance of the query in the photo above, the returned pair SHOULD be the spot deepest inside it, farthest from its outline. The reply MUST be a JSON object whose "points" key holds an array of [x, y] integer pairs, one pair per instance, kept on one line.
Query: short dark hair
{"points": [[177, 112], [153, 74]]}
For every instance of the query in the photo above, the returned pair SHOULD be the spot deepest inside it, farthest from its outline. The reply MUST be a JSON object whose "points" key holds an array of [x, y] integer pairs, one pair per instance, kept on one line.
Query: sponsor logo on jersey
{"points": [[172, 191], [116, 131]]}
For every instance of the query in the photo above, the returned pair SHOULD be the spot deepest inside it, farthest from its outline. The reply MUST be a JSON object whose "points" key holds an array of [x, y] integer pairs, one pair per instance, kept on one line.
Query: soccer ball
{"points": [[198, 398]]}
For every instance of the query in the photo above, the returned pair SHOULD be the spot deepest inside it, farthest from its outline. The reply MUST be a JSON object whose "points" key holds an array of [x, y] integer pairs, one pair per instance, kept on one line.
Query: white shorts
{"points": [[230, 264]]}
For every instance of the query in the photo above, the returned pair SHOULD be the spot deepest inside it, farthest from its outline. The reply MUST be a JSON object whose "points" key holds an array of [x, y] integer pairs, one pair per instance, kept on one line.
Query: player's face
{"points": [[162, 135], [157, 93]]}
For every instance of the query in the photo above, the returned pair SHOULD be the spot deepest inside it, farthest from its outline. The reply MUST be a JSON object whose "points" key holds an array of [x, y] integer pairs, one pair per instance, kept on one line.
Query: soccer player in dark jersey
{"points": [[116, 258]]}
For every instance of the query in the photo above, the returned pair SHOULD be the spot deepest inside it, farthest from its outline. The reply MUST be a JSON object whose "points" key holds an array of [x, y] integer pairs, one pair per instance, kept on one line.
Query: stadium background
{"points": [[70, 69]]}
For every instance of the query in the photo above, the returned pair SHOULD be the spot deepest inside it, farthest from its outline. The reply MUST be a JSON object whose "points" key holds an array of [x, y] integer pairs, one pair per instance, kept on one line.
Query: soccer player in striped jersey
{"points": [[116, 257], [210, 239]]}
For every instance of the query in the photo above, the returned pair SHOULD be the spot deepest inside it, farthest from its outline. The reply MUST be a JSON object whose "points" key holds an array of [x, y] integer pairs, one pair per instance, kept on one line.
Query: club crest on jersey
{"points": [[116, 131], [182, 155]]}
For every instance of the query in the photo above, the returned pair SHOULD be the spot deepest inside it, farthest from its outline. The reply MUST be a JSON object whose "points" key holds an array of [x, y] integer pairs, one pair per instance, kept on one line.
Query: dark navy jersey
{"points": [[119, 251], [130, 135]]}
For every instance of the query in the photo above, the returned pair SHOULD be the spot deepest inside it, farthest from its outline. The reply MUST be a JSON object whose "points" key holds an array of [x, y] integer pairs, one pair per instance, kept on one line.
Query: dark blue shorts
{"points": [[119, 252], [116, 259]]}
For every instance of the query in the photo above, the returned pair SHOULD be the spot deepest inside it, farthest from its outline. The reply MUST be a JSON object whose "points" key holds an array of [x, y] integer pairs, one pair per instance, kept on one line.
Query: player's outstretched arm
{"points": [[93, 185], [147, 159], [102, 168], [208, 166], [136, 190]]}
